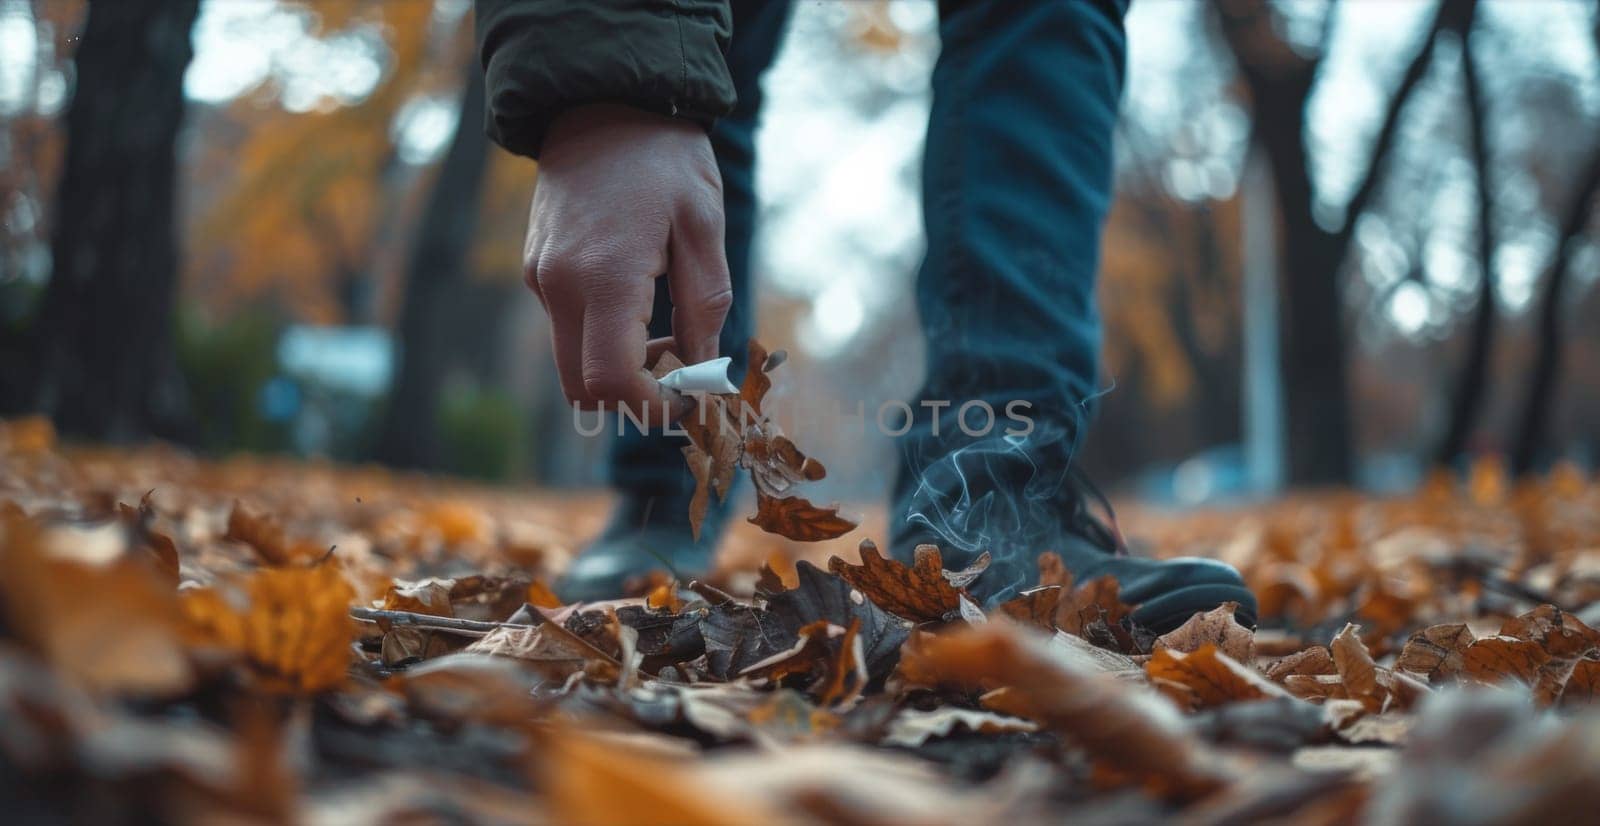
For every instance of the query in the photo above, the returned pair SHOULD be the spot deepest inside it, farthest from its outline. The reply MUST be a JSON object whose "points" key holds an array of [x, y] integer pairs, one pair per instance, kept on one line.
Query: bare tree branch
{"points": [[1452, 15]]}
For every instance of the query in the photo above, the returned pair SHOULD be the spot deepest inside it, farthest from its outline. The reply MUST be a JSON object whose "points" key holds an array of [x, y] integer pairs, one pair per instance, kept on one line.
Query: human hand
{"points": [[625, 196]]}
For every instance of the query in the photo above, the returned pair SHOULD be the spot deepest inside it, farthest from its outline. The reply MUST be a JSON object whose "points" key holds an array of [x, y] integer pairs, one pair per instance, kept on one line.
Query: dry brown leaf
{"points": [[140, 525], [263, 534], [756, 383], [1053, 571], [1559, 633], [919, 592], [430, 596], [1316, 687], [1436, 652], [1210, 677], [1216, 627], [1127, 727], [700, 467], [1314, 660], [798, 519], [1496, 659], [1096, 599], [1035, 607], [1583, 686], [1357, 671], [112, 627]]}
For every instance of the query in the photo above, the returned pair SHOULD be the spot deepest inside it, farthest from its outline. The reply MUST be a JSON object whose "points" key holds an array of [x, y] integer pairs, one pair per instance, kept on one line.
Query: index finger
{"points": [[615, 338]]}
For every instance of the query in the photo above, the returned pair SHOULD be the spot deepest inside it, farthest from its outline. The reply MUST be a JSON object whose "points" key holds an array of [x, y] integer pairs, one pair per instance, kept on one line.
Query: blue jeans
{"points": [[1017, 179]]}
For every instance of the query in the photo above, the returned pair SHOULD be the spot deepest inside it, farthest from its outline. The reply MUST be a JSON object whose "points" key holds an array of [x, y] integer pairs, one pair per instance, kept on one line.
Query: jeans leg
{"points": [[1017, 180], [652, 464]]}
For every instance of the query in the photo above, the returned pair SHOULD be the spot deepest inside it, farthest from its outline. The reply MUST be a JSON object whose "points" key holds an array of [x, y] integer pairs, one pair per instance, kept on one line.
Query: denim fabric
{"points": [[1016, 185], [1017, 180]]}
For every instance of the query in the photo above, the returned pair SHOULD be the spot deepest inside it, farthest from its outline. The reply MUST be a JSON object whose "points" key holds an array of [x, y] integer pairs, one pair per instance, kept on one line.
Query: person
{"points": [[642, 115]]}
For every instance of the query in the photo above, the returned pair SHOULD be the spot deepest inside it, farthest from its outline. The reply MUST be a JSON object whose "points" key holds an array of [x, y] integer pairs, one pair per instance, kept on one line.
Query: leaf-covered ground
{"points": [[184, 640]]}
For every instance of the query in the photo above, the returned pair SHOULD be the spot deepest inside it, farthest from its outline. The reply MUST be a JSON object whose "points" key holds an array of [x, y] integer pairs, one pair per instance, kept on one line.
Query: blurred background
{"points": [[1353, 241]]}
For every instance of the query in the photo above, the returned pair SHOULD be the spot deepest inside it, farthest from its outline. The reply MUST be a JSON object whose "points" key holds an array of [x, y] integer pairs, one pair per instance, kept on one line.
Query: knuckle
{"points": [[702, 212], [714, 306]]}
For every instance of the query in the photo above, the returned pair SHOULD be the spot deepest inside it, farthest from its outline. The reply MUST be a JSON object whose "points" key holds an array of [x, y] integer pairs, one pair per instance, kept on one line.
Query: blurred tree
{"points": [[1471, 384], [1540, 398], [1280, 80], [437, 269], [316, 191], [104, 364]]}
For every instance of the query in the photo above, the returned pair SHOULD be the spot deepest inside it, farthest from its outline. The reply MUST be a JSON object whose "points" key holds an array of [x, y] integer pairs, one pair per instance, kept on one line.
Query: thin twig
{"points": [[428, 622]]}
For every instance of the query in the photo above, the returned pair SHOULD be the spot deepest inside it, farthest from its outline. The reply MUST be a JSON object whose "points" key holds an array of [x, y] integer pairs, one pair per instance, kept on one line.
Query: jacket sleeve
{"points": [[541, 57]]}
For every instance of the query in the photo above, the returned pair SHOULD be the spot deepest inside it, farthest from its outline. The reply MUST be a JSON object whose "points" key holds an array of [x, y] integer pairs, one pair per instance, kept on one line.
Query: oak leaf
{"points": [[920, 592], [798, 519]]}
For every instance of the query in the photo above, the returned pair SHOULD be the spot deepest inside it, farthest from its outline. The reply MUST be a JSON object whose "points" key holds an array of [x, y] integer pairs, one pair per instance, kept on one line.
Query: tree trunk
{"points": [[105, 367], [1537, 404], [438, 265], [1317, 425], [1316, 382], [1470, 387]]}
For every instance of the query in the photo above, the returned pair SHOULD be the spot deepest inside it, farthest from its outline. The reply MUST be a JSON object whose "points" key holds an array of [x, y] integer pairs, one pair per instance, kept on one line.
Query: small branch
{"points": [[428, 622], [1454, 15], [475, 628]]}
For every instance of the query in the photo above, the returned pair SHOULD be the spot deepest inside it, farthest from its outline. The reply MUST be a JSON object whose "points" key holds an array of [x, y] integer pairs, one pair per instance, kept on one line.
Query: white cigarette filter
{"points": [[705, 377]]}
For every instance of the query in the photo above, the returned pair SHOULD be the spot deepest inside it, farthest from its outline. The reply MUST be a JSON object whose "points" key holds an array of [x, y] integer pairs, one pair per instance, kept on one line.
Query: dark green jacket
{"points": [[542, 57]]}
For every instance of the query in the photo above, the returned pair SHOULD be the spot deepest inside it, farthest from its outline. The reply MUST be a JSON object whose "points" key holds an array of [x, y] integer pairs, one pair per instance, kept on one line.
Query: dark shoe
{"points": [[993, 496], [646, 533]]}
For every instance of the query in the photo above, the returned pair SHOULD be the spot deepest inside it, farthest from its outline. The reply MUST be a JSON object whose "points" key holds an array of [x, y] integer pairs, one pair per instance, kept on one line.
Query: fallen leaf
{"points": [[267, 539], [823, 596], [1436, 652], [291, 625], [919, 592], [911, 727], [1216, 627], [1313, 660], [1135, 732], [1211, 677], [1357, 672], [112, 627], [1035, 607], [738, 636], [1495, 659]]}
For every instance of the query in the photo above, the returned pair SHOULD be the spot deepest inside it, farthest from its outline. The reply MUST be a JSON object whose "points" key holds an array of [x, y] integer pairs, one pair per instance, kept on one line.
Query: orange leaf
{"points": [[290, 625], [919, 592], [1211, 677], [798, 519]]}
